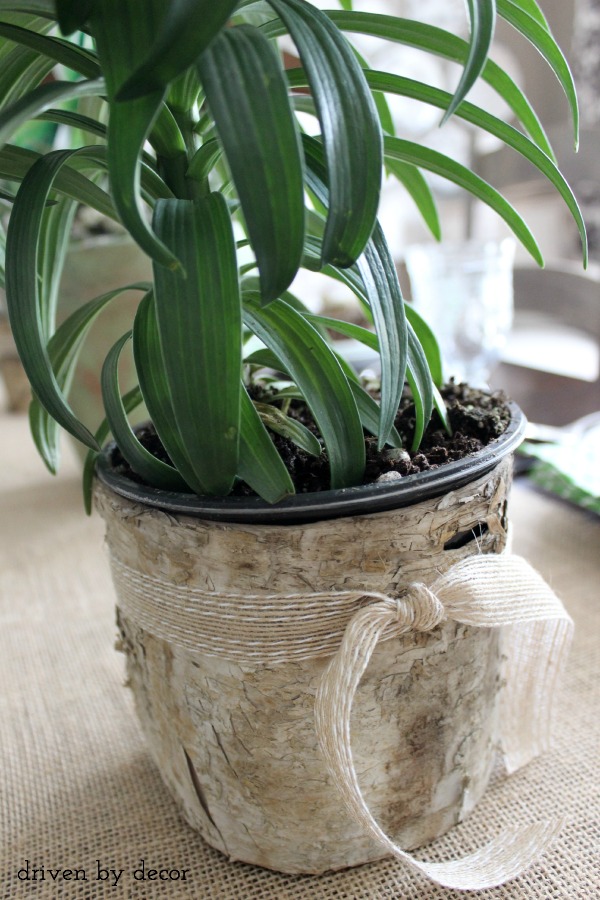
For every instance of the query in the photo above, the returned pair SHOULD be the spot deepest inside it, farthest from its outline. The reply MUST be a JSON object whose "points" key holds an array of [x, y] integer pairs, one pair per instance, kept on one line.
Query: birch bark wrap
{"points": [[395, 623]]}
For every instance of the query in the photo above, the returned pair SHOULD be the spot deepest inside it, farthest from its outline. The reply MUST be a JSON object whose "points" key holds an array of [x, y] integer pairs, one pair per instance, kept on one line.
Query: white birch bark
{"points": [[235, 740]]}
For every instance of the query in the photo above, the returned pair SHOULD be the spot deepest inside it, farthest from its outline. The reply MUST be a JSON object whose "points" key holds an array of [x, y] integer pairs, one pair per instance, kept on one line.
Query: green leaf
{"points": [[63, 52], [22, 291], [368, 410], [200, 326], [74, 120], [544, 42], [419, 190], [265, 359], [53, 243], [16, 162], [22, 68], [151, 373], [44, 8], [15, 115], [380, 282], [276, 420], [204, 160], [131, 400], [259, 135], [122, 36], [449, 169], [188, 28], [532, 8], [73, 14], [438, 402], [482, 14], [417, 372], [315, 369], [383, 110], [348, 329], [378, 273], [260, 465], [449, 46], [155, 472], [63, 350], [350, 128], [428, 342], [406, 87]]}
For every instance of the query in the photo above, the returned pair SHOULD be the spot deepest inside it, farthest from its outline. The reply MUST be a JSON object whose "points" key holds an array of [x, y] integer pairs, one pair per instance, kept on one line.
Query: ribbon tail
{"points": [[534, 655], [504, 591], [506, 856]]}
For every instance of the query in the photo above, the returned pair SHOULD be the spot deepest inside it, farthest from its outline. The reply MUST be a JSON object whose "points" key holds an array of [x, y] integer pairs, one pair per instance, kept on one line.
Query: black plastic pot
{"points": [[310, 507]]}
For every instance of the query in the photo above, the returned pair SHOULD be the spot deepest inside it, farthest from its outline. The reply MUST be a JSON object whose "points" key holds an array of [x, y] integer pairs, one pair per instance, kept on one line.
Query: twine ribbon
{"points": [[489, 590]]}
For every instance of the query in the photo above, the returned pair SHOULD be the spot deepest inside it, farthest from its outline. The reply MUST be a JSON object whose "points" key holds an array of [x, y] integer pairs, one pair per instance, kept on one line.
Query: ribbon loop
{"points": [[471, 588]]}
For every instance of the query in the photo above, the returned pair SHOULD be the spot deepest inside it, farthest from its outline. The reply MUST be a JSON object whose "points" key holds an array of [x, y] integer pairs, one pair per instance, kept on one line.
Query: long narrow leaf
{"points": [[407, 87], [16, 162], [274, 419], [151, 373], [350, 128], [452, 171], [419, 190], [204, 160], [152, 470], [378, 274], [428, 342], [316, 371], [63, 350], [482, 14], [449, 46], [22, 291], [418, 373], [74, 120], [544, 42], [72, 14], [23, 68], [531, 7], [260, 465], [122, 37], [131, 400], [421, 385], [259, 126], [39, 7], [368, 410], [199, 320], [55, 232], [63, 52], [12, 117], [188, 28]]}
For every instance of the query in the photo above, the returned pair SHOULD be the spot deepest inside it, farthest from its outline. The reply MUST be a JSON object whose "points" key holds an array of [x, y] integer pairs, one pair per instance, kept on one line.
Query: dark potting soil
{"points": [[476, 418]]}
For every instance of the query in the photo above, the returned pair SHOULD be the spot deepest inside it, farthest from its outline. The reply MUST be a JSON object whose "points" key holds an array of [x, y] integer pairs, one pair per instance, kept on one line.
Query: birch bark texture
{"points": [[226, 698]]}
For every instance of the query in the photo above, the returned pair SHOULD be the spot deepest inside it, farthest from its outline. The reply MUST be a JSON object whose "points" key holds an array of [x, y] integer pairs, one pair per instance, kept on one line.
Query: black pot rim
{"points": [[319, 505]]}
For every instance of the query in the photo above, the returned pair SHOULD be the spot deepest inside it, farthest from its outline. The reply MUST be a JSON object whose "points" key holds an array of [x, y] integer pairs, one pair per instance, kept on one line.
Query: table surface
{"points": [[79, 792]]}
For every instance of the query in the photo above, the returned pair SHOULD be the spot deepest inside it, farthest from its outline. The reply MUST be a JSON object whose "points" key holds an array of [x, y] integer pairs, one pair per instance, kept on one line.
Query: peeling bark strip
{"points": [[424, 725]]}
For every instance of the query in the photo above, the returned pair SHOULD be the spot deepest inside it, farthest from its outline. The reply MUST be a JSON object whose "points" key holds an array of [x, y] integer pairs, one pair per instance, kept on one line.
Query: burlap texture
{"points": [[77, 785]]}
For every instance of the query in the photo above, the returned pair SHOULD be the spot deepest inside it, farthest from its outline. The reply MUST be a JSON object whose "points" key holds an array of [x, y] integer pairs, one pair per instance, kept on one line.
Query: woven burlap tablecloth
{"points": [[78, 790]]}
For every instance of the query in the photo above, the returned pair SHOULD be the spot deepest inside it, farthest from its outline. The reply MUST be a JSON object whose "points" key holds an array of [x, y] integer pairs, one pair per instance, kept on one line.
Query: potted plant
{"points": [[241, 596]]}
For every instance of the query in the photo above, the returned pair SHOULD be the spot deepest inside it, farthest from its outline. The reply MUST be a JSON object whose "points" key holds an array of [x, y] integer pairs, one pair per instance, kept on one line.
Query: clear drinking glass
{"points": [[465, 292]]}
